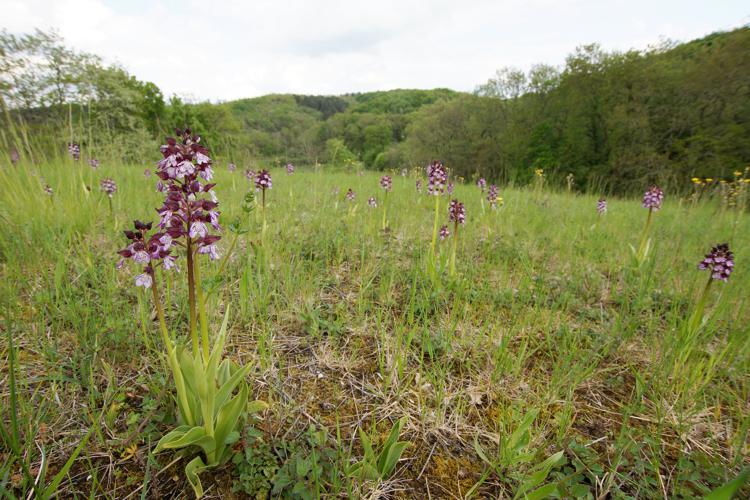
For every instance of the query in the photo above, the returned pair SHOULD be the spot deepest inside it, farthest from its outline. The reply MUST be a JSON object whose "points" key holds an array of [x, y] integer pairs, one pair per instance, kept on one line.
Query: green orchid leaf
{"points": [[192, 469], [225, 391], [228, 417]]}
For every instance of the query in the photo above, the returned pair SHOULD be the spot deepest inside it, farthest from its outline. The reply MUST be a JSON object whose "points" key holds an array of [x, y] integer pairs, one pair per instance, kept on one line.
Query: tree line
{"points": [[614, 120]]}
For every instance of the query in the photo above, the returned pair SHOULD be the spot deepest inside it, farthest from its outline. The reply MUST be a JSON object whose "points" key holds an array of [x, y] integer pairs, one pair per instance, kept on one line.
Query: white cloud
{"points": [[224, 49]]}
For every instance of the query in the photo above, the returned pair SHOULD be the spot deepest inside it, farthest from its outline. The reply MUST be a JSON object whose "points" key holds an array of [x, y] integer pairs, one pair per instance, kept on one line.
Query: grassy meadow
{"points": [[547, 352]]}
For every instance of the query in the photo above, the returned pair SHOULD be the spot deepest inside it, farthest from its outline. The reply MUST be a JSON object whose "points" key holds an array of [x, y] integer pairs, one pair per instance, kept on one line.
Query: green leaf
{"points": [[52, 487], [545, 491], [367, 446], [256, 406], [225, 391], [232, 438], [192, 469], [228, 417], [180, 439], [727, 491], [392, 458]]}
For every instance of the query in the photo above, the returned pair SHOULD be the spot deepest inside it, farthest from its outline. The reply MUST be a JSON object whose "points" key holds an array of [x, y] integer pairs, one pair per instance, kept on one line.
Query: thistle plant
{"points": [[387, 184], [652, 200], [601, 206], [437, 178], [720, 264], [208, 413], [456, 215]]}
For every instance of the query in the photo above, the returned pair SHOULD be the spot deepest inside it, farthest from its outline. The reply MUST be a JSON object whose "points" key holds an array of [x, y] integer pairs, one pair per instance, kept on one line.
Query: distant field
{"points": [[348, 326]]}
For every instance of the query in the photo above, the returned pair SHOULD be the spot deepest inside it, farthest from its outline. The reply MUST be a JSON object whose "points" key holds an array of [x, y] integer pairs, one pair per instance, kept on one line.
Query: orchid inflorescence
{"points": [[185, 217], [418, 186], [444, 232], [14, 156], [74, 150], [601, 206], [94, 163], [289, 168], [482, 183], [386, 182], [147, 173], [493, 195], [720, 261], [350, 195], [108, 186], [437, 178], [250, 175], [372, 202], [456, 212], [653, 198], [231, 167], [48, 190], [263, 180]]}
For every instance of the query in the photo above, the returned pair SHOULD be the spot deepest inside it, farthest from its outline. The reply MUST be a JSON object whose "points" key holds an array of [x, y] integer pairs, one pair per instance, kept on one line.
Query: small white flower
{"points": [[198, 229], [141, 257], [144, 280], [211, 250]]}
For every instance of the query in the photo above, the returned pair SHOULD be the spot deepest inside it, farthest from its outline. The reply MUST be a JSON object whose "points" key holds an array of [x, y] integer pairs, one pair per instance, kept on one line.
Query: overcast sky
{"points": [[226, 49]]}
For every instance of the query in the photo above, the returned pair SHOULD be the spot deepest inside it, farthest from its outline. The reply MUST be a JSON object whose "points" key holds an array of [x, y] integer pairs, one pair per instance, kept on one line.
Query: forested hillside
{"points": [[614, 120]]}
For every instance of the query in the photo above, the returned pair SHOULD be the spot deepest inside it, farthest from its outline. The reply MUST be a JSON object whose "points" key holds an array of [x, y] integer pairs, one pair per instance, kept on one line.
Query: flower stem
{"points": [[696, 319], [201, 310], [435, 227], [172, 357], [453, 252], [644, 236], [385, 210], [191, 297]]}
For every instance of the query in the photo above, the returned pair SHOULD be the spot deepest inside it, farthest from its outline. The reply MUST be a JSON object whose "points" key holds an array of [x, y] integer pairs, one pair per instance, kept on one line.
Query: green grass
{"points": [[350, 327]]}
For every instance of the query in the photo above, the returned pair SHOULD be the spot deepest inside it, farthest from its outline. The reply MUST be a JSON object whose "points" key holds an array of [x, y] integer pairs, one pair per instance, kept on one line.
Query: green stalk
{"points": [[201, 310], [644, 235], [435, 227], [385, 211], [453, 252], [179, 382], [696, 319], [191, 297], [263, 210]]}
